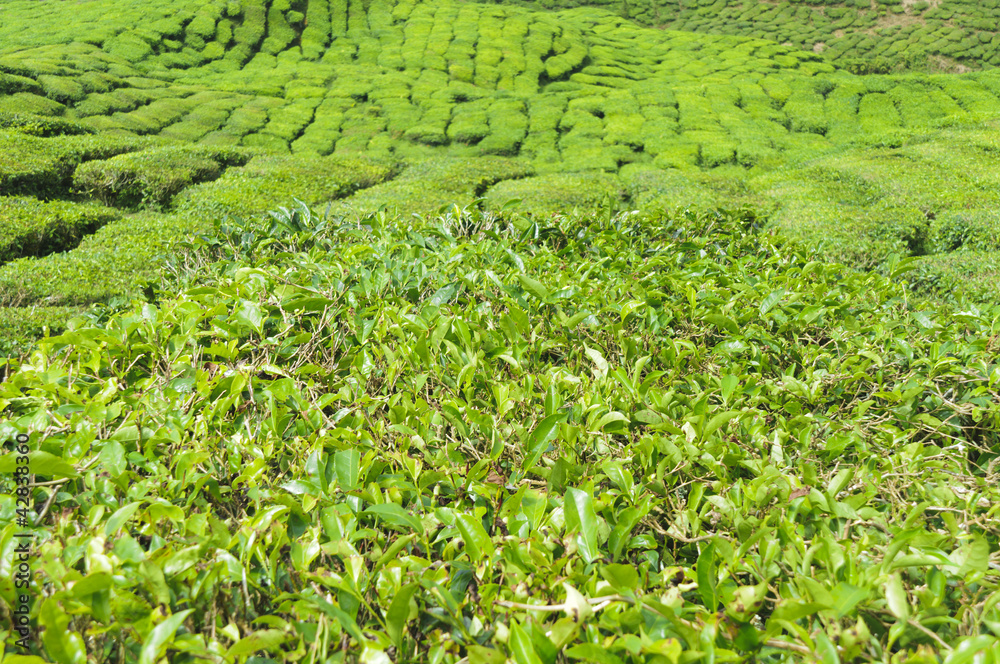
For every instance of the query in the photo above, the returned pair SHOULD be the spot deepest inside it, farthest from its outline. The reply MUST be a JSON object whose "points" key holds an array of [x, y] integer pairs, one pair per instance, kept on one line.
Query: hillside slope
{"points": [[865, 35], [672, 118]]}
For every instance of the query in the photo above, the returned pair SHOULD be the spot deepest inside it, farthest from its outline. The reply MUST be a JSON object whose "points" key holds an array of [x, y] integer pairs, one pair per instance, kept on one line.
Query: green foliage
{"points": [[960, 276], [209, 115], [62, 89], [429, 185], [21, 327], [12, 84], [421, 80], [546, 195], [279, 33], [29, 165], [470, 122], [29, 227], [854, 34], [968, 230], [606, 436], [687, 440], [651, 188], [152, 177], [267, 181], [32, 104], [37, 125], [316, 34], [114, 263], [129, 47], [508, 122]]}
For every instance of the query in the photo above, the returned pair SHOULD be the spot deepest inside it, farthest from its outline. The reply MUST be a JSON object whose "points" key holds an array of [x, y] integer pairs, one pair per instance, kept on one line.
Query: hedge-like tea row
{"points": [[21, 327], [269, 182], [38, 125], [115, 261], [556, 193], [152, 177], [429, 185], [29, 227], [43, 167], [867, 37]]}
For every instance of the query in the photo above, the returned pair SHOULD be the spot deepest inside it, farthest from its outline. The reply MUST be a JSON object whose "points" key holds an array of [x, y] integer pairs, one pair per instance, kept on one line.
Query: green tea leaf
{"points": [[896, 598], [582, 519], [119, 517], [521, 647], [622, 578], [534, 287], [539, 439], [160, 637], [845, 597], [347, 465], [444, 294], [41, 463], [772, 299], [705, 571], [477, 541], [394, 514], [112, 458], [399, 613], [62, 644], [973, 556], [601, 370], [718, 421], [590, 652], [723, 322], [264, 639]]}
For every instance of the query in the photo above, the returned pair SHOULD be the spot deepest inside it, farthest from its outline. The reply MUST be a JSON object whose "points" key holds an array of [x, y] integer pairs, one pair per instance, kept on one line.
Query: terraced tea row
{"points": [[589, 85], [870, 35]]}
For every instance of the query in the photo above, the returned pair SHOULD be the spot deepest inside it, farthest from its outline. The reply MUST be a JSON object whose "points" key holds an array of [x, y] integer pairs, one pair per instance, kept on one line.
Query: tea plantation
{"points": [[542, 331], [863, 35]]}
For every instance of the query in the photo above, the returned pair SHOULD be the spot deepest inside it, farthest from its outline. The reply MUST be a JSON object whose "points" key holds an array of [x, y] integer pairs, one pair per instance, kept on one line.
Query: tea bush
{"points": [[546, 195], [29, 227], [651, 188], [152, 177], [27, 102], [428, 185], [267, 181], [316, 34], [37, 125], [21, 327], [43, 167], [958, 277], [116, 261], [968, 230]]}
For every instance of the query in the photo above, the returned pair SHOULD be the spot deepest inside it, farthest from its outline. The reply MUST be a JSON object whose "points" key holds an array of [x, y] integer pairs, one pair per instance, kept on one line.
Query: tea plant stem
{"points": [[45, 507], [794, 647], [596, 602], [51, 482], [937, 639]]}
